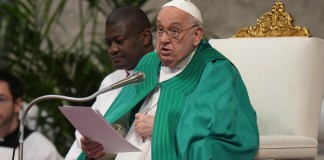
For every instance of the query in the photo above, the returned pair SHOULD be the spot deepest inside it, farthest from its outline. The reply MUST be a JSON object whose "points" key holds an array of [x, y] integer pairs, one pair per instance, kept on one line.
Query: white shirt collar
{"points": [[167, 72], [129, 72], [183, 64]]}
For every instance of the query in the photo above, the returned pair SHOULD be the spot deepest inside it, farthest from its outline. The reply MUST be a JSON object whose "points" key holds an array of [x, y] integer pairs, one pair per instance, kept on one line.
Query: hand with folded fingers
{"points": [[92, 149], [144, 125]]}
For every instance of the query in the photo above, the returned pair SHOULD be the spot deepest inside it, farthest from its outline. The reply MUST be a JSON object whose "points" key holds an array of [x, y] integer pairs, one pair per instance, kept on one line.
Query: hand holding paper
{"points": [[92, 124]]}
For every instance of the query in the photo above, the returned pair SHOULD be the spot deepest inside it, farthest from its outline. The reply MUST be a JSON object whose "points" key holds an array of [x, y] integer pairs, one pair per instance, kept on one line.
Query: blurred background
{"points": [[57, 47]]}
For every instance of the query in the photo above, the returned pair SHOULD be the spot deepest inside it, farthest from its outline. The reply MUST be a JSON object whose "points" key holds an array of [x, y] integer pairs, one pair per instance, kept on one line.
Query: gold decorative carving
{"points": [[277, 23]]}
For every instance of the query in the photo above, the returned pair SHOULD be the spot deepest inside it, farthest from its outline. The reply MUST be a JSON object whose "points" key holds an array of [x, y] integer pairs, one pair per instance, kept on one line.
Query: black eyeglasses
{"points": [[171, 33]]}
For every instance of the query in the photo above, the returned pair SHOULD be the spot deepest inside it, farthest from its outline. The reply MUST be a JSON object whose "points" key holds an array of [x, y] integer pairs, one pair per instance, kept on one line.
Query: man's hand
{"points": [[144, 125], [93, 150]]}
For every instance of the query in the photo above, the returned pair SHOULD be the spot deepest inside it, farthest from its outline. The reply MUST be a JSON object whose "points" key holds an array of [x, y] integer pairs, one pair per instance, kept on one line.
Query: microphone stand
{"points": [[134, 78]]}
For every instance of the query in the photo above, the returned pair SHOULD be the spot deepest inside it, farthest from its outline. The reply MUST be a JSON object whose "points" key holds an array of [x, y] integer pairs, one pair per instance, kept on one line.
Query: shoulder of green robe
{"points": [[206, 48], [149, 58]]}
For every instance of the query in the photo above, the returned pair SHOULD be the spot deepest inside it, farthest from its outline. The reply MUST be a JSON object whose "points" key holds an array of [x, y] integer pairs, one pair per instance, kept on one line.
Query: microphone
{"points": [[133, 78]]}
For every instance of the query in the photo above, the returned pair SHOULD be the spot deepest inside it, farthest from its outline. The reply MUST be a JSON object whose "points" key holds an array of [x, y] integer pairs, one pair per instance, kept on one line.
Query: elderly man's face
{"points": [[171, 49]]}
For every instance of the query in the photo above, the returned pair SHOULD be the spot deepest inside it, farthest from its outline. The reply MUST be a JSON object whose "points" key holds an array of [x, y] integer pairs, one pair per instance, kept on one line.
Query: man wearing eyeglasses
{"points": [[193, 103], [36, 145]]}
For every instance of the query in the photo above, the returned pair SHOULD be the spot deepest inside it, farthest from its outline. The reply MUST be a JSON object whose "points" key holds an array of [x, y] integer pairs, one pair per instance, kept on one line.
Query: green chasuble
{"points": [[203, 113]]}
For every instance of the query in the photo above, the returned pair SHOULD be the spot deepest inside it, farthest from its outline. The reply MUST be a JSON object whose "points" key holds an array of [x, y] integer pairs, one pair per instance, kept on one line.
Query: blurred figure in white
{"points": [[36, 146]]}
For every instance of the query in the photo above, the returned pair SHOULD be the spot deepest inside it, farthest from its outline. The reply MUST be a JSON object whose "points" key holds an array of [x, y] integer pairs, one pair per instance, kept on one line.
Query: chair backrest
{"points": [[284, 78]]}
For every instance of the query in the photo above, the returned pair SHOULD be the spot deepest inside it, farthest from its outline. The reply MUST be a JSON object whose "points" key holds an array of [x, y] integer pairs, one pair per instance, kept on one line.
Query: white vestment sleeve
{"points": [[101, 104]]}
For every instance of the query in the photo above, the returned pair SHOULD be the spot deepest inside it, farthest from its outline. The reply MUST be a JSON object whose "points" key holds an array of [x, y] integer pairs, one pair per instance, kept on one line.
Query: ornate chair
{"points": [[284, 77]]}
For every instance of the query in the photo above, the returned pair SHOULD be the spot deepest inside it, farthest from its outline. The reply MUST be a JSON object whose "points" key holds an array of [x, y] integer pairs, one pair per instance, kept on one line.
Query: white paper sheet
{"points": [[93, 125]]}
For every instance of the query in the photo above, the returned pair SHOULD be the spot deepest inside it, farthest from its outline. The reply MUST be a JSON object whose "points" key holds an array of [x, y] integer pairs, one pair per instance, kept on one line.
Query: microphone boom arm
{"points": [[134, 78]]}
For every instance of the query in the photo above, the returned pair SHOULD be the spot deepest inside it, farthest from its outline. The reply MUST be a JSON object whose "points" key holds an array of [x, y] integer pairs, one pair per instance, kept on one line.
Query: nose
{"points": [[164, 37], [113, 49]]}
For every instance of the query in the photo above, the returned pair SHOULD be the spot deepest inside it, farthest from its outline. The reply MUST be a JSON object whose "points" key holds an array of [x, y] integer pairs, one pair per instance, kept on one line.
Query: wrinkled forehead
{"points": [[172, 15]]}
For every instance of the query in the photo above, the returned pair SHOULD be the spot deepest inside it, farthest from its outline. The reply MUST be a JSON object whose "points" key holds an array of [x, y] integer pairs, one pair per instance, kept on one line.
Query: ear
{"points": [[198, 36], [146, 37], [18, 105]]}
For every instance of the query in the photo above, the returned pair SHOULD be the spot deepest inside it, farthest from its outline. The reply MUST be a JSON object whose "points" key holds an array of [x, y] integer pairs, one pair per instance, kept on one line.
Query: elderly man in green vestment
{"points": [[193, 103]]}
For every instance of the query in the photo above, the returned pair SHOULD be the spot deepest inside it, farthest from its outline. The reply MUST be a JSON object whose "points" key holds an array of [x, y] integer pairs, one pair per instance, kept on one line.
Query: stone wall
{"points": [[221, 18]]}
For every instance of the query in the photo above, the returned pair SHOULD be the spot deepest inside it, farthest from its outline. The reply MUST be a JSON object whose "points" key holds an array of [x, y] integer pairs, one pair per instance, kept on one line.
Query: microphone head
{"points": [[133, 78], [138, 76]]}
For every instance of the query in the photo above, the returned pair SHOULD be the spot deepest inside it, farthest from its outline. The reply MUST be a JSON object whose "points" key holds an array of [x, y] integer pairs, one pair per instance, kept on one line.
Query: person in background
{"points": [[193, 103], [128, 37], [36, 146]]}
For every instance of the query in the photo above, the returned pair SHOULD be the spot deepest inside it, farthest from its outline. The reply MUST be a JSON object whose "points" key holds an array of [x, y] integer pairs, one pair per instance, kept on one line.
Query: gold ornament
{"points": [[277, 23]]}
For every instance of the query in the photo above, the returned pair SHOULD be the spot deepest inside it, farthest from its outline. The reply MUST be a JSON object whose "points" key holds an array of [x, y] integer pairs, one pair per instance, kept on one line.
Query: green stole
{"points": [[171, 101]]}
